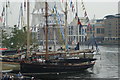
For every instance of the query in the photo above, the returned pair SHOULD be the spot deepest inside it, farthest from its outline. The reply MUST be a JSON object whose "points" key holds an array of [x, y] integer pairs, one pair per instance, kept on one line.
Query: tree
{"points": [[17, 40]]}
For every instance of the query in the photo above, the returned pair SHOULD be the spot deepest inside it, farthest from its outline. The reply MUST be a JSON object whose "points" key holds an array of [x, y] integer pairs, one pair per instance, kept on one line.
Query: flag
{"points": [[89, 26], [73, 8], [84, 8], [85, 14], [24, 5], [82, 3], [79, 23], [55, 6], [76, 15], [3, 12], [87, 19], [21, 9], [7, 4], [71, 3]]}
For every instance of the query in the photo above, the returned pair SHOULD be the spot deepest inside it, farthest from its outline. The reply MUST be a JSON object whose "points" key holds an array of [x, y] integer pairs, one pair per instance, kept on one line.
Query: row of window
{"points": [[111, 38], [100, 31]]}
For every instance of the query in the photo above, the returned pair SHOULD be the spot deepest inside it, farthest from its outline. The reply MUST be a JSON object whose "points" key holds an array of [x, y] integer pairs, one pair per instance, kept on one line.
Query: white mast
{"points": [[6, 5]]}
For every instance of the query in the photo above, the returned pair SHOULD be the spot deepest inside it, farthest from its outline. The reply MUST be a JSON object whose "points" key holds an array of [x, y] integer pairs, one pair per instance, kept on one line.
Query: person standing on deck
{"points": [[77, 46]]}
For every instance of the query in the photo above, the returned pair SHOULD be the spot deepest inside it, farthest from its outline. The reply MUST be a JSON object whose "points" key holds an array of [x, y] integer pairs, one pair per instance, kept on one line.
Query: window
{"points": [[102, 30], [98, 30]]}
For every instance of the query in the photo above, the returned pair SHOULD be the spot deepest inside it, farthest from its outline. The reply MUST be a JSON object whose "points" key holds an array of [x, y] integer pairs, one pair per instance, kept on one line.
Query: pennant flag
{"points": [[83, 8], [3, 12], [73, 8], [76, 15], [87, 19], [71, 3], [55, 6], [53, 10], [25, 5], [21, 9], [82, 3], [85, 14], [8, 4]]}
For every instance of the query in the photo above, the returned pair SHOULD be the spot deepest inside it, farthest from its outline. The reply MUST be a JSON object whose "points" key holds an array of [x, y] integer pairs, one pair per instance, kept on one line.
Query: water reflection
{"points": [[64, 76]]}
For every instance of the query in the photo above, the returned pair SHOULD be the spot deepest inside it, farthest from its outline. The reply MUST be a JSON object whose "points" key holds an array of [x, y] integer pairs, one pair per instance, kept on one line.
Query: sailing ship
{"points": [[61, 61]]}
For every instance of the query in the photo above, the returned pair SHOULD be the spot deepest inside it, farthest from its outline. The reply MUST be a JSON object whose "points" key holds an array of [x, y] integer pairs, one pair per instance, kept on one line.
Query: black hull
{"points": [[47, 68]]}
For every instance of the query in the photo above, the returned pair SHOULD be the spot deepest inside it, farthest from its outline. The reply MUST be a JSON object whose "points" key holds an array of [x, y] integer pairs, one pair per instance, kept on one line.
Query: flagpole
{"points": [[77, 18]]}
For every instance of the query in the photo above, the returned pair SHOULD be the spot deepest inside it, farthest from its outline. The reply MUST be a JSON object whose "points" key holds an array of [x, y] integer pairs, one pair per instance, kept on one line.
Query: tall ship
{"points": [[64, 60]]}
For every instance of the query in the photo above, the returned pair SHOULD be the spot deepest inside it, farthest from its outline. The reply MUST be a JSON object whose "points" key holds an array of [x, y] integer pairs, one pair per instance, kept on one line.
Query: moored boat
{"points": [[61, 63], [57, 66]]}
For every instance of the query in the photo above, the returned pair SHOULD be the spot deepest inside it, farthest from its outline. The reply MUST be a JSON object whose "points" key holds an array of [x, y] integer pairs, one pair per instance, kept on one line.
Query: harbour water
{"points": [[106, 68]]}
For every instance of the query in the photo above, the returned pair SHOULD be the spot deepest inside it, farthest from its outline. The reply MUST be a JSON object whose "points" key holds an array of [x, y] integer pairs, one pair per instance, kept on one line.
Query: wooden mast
{"points": [[66, 27], [46, 29], [28, 32]]}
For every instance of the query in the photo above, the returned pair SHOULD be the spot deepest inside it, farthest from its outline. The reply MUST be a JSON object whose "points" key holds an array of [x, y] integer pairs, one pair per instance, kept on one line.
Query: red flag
{"points": [[89, 25], [72, 8], [79, 23]]}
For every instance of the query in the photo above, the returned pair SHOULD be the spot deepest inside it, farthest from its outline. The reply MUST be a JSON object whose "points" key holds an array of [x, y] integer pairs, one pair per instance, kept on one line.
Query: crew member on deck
{"points": [[77, 46]]}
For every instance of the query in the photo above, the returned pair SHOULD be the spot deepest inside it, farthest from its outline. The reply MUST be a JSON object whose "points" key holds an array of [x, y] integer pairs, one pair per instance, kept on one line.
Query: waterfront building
{"points": [[96, 29], [77, 33], [112, 28]]}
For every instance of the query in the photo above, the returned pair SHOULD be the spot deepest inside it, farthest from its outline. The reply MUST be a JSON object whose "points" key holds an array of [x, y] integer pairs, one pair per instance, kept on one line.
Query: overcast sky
{"points": [[99, 8]]}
